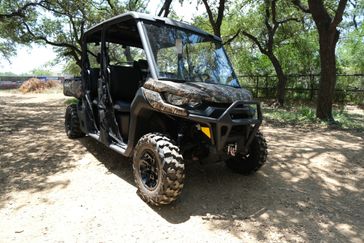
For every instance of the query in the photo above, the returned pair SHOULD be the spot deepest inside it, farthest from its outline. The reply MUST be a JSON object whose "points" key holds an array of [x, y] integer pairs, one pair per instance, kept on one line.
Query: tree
{"points": [[71, 68], [264, 37], [41, 71], [52, 31], [357, 10], [215, 22], [351, 49], [215, 16], [9, 11], [327, 28], [265, 40], [10, 14], [166, 8], [68, 22]]}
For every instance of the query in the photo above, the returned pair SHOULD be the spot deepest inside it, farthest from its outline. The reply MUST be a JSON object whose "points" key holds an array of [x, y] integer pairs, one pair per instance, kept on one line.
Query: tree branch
{"points": [[274, 13], [256, 41], [132, 5], [20, 11], [299, 5], [232, 38], [220, 13], [165, 8], [319, 13], [288, 20], [47, 7], [111, 5], [43, 38], [267, 16], [339, 14], [209, 13]]}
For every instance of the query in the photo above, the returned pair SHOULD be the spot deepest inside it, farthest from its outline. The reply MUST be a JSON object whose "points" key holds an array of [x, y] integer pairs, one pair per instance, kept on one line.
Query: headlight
{"points": [[180, 101], [175, 99]]}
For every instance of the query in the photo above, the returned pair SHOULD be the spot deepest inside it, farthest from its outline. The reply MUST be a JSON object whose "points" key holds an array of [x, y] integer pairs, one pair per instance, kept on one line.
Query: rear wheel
{"points": [[251, 162], [72, 122], [158, 169]]}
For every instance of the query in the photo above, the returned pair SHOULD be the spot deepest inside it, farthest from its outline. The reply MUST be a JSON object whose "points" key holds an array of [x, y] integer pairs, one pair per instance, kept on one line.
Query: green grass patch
{"points": [[348, 117], [301, 114], [71, 101], [349, 120]]}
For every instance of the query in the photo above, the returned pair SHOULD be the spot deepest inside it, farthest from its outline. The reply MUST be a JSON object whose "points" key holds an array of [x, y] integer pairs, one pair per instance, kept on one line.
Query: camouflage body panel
{"points": [[72, 87], [156, 101], [200, 91]]}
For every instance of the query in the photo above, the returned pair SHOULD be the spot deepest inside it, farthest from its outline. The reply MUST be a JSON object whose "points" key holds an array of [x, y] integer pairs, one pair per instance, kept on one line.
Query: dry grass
{"points": [[38, 86]]}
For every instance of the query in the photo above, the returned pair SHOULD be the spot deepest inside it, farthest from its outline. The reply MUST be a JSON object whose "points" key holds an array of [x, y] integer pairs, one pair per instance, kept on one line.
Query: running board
{"points": [[120, 150], [93, 135], [116, 147]]}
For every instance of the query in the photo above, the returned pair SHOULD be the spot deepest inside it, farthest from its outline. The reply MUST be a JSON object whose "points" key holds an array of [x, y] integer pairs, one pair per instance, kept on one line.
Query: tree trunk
{"points": [[282, 79], [128, 55], [166, 8], [328, 41], [328, 38]]}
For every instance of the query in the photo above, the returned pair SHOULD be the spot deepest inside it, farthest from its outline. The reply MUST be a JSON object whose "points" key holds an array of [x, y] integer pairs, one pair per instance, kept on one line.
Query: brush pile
{"points": [[37, 85]]}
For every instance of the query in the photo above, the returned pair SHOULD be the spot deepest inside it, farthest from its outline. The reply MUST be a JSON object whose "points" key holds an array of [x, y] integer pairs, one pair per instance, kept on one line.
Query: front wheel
{"points": [[251, 162], [158, 169]]}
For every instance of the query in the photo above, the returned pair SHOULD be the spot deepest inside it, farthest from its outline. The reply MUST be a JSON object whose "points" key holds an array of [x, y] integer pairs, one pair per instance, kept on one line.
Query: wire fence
{"points": [[349, 87]]}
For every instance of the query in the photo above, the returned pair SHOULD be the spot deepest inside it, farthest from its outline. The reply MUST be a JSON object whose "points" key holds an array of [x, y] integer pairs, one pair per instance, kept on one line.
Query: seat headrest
{"points": [[143, 64]]}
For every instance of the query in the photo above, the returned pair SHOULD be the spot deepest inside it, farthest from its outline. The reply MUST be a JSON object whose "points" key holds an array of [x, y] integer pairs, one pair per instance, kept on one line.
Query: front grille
{"points": [[218, 105], [217, 113], [238, 130], [215, 110], [242, 113]]}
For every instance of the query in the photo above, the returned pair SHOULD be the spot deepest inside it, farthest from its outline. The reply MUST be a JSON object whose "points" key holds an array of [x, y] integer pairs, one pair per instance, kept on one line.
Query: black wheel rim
{"points": [[149, 170]]}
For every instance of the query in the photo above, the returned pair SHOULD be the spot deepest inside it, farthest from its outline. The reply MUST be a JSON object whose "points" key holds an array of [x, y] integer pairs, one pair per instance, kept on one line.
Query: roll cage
{"points": [[129, 30]]}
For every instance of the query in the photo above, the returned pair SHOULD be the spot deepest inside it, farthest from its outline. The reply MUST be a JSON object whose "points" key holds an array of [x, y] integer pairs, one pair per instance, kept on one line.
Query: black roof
{"points": [[147, 17]]}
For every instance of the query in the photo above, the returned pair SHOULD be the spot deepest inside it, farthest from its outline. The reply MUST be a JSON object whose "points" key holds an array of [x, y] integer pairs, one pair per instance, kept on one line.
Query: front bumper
{"points": [[229, 127]]}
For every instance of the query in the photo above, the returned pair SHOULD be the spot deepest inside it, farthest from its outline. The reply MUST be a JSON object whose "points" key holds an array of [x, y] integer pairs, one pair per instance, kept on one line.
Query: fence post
{"points": [[266, 87], [311, 86], [257, 87]]}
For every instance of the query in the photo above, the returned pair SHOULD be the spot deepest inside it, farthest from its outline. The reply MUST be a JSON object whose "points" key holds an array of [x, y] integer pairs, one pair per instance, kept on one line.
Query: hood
{"points": [[201, 91]]}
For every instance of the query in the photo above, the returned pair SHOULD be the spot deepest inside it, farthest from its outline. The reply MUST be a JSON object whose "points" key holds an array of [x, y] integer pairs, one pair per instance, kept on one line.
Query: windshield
{"points": [[182, 55]]}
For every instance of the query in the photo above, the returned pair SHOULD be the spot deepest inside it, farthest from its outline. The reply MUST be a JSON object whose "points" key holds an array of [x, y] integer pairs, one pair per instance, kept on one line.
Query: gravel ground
{"points": [[60, 190]]}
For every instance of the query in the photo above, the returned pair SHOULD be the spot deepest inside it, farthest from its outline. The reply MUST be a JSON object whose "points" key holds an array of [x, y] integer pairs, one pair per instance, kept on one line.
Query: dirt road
{"points": [[60, 190]]}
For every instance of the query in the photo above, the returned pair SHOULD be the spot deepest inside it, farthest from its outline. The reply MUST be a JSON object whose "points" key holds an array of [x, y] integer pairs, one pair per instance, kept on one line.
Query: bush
{"points": [[37, 85]]}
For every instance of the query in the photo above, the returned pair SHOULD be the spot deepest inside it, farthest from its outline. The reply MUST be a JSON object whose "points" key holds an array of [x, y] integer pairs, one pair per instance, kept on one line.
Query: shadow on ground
{"points": [[33, 146], [310, 189]]}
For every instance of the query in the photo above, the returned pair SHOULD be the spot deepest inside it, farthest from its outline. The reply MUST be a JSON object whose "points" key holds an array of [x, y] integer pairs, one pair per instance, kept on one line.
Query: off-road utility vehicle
{"points": [[163, 93]]}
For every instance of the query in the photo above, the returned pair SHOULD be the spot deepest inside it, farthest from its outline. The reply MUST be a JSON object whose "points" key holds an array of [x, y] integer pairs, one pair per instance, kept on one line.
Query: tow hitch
{"points": [[232, 149]]}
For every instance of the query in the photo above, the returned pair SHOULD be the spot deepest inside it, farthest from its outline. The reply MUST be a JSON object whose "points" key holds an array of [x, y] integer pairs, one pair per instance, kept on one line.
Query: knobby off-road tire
{"points": [[250, 163], [158, 169], [72, 122]]}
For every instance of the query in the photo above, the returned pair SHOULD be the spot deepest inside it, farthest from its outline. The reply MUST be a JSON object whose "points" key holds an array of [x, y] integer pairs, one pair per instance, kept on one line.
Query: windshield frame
{"points": [[209, 37]]}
